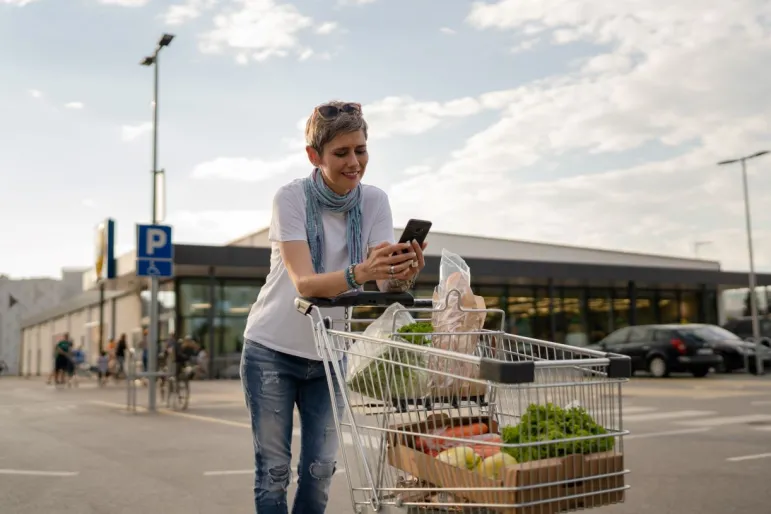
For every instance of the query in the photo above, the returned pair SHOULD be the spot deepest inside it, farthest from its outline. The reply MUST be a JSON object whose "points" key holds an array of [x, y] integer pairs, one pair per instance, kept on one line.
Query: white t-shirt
{"points": [[274, 321]]}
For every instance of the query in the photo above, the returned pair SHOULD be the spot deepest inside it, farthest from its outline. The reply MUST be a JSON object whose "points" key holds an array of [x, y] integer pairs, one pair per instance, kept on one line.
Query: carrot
{"points": [[466, 430], [492, 438], [484, 450]]}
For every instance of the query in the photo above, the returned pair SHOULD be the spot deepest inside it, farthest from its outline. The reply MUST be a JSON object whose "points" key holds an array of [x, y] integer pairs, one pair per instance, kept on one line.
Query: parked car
{"points": [[663, 349], [732, 348], [742, 327]]}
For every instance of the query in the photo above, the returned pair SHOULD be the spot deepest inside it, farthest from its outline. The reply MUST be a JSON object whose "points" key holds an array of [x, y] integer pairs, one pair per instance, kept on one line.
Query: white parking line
{"points": [[667, 433], [762, 402], [750, 457], [727, 420], [228, 472], [232, 472], [669, 415], [27, 472]]}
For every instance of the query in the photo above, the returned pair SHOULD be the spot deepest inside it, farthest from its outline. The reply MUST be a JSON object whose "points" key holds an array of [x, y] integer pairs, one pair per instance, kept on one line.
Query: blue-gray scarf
{"points": [[319, 197]]}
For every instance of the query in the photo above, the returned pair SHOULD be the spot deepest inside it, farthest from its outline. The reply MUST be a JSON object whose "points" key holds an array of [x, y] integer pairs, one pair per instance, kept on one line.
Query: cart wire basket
{"points": [[519, 426]]}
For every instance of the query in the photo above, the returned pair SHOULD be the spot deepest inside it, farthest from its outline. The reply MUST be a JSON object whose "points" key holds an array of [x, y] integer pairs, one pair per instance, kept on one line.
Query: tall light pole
{"points": [[753, 297], [152, 343]]}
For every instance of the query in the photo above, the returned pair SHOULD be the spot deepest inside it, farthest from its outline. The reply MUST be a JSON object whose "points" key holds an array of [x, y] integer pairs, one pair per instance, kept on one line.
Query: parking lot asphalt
{"points": [[696, 446]]}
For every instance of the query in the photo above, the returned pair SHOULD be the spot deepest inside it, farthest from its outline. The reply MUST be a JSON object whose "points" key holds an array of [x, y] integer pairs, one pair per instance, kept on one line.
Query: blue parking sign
{"points": [[155, 251]]}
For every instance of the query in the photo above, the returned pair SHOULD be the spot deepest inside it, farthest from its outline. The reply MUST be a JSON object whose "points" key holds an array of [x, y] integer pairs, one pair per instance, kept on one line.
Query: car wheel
{"points": [[700, 372], [658, 367]]}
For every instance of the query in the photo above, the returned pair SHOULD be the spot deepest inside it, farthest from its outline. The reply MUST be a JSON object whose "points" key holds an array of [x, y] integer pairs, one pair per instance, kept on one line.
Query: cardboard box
{"points": [[549, 481]]}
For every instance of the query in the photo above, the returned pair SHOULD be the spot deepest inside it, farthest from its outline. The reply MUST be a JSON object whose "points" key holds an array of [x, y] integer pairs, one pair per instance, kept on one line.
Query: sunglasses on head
{"points": [[329, 112]]}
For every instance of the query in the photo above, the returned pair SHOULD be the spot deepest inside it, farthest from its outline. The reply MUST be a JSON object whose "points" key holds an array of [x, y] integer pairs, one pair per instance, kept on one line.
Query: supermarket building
{"points": [[559, 293]]}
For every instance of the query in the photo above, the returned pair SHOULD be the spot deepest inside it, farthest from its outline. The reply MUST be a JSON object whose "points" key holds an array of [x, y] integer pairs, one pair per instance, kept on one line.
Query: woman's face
{"points": [[343, 161]]}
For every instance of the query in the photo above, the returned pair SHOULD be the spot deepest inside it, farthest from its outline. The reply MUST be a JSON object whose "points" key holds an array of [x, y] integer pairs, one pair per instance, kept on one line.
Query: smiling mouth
{"points": [[351, 175]]}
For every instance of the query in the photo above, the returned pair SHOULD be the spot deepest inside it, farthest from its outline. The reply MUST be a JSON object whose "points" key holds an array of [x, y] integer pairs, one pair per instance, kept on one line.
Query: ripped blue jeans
{"points": [[273, 384]]}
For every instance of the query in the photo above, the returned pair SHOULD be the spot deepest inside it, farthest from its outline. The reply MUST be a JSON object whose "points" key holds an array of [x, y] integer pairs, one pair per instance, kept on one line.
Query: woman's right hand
{"points": [[379, 263]]}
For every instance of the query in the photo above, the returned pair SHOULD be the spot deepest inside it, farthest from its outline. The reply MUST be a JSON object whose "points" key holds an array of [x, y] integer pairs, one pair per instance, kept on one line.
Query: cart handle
{"points": [[360, 298]]}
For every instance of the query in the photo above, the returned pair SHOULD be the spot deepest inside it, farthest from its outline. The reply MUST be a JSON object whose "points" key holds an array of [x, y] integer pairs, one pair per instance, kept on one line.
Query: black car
{"points": [[742, 327], [663, 349], [736, 352]]}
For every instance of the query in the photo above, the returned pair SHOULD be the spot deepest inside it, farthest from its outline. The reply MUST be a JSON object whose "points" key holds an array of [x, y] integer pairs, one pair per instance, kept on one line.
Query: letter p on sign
{"points": [[156, 239]]}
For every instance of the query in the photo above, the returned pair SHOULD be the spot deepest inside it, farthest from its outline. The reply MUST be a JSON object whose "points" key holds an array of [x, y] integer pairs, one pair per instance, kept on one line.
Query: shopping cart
{"points": [[547, 438]]}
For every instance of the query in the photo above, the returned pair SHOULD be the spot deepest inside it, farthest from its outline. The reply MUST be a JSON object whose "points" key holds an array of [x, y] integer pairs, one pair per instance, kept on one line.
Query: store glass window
{"points": [[622, 308], [541, 319], [710, 305], [600, 314], [194, 298], [238, 297], [690, 306], [521, 311], [571, 320], [495, 298], [645, 307], [669, 309]]}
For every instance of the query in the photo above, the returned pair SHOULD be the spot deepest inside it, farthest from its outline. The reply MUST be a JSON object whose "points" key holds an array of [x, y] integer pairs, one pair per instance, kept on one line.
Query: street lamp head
{"points": [[764, 152], [730, 161], [165, 40], [147, 61]]}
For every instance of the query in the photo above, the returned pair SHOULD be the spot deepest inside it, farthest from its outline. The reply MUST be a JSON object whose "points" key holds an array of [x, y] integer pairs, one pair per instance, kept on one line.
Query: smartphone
{"points": [[415, 230]]}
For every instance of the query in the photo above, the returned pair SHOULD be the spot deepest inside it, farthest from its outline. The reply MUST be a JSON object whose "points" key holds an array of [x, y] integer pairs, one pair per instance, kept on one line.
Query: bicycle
{"points": [[175, 386]]}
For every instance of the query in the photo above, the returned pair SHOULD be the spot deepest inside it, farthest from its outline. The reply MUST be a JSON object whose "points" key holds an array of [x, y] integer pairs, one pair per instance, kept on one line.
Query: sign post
{"points": [[155, 259], [104, 267]]}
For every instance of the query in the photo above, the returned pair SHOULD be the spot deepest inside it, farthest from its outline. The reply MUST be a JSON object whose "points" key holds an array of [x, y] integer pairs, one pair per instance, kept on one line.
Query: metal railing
{"points": [[134, 372]]}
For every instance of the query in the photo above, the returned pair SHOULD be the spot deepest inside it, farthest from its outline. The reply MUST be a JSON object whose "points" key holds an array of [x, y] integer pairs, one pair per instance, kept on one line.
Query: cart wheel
{"points": [[482, 402], [427, 404]]}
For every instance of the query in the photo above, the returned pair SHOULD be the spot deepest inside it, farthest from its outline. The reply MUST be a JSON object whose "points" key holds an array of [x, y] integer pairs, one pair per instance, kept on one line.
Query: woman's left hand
{"points": [[419, 263], [403, 281]]}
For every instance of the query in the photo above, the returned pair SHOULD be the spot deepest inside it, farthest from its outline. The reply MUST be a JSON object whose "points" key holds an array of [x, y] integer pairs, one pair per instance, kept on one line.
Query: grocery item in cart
{"points": [[378, 371], [451, 296]]}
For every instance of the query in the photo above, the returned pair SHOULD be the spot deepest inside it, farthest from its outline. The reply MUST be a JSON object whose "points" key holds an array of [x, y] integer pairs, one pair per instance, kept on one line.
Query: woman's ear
{"points": [[313, 156]]}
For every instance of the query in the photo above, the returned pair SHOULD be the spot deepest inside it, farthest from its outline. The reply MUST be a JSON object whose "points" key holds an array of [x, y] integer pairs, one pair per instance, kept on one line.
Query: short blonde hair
{"points": [[320, 131]]}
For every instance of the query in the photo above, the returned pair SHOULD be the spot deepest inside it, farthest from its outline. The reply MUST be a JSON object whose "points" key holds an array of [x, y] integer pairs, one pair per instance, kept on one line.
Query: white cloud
{"points": [[326, 28], [448, 31], [403, 115], [248, 170], [665, 73], [356, 2], [260, 30], [88, 203], [419, 169], [216, 227], [177, 14], [74, 105], [18, 3], [35, 93], [132, 132], [125, 3]]}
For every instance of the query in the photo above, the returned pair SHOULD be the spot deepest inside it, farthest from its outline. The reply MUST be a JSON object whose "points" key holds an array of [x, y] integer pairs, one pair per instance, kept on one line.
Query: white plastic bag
{"points": [[363, 352], [380, 371]]}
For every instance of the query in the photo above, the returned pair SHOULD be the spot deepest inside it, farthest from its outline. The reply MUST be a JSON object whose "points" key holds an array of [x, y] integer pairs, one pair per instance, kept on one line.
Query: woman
{"points": [[320, 230]]}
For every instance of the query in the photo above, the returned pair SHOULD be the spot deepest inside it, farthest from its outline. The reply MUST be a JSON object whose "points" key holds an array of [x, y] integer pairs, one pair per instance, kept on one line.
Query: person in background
{"points": [[78, 358], [202, 364], [103, 365], [63, 359], [120, 355], [143, 349]]}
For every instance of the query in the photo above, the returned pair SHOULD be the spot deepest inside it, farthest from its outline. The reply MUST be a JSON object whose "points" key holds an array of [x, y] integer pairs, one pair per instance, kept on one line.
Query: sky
{"points": [[580, 122]]}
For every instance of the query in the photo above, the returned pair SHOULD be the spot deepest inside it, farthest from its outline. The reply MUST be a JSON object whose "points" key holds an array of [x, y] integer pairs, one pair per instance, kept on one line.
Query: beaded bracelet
{"points": [[350, 277]]}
